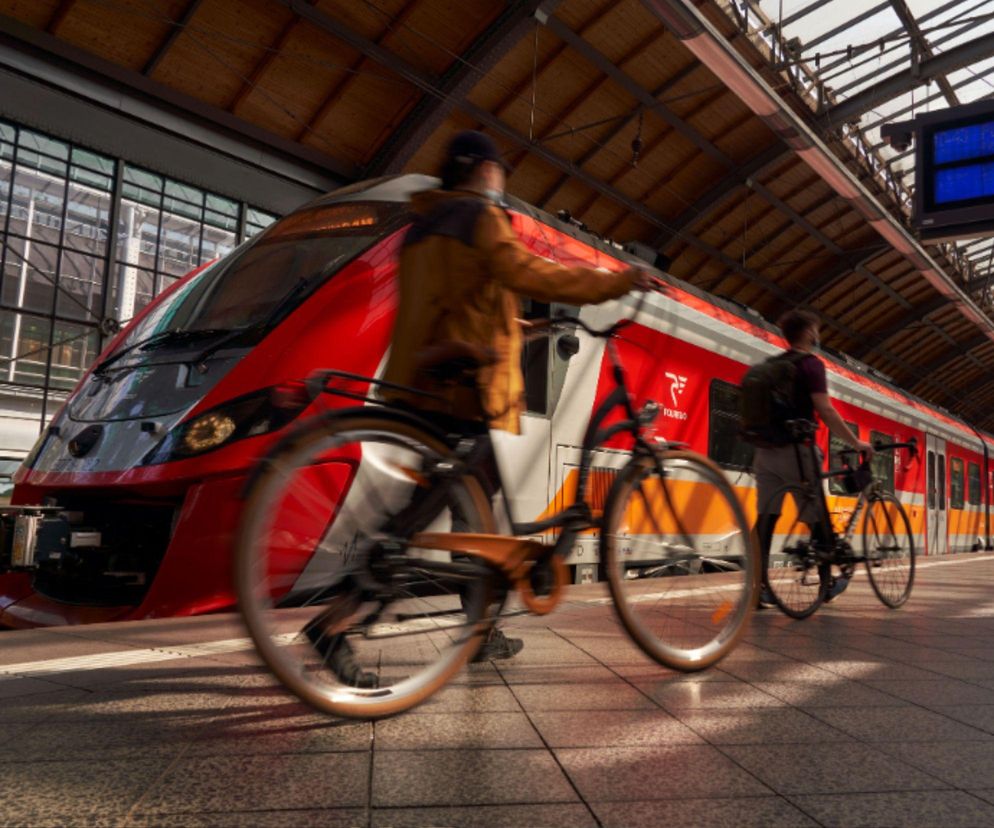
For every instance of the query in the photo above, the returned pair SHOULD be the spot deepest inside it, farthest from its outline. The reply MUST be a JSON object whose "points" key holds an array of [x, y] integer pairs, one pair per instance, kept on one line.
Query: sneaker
{"points": [[836, 587], [766, 599], [338, 656], [498, 646]]}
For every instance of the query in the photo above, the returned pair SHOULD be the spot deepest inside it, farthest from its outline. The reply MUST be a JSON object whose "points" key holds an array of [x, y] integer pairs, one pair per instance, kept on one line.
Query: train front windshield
{"points": [[261, 282]]}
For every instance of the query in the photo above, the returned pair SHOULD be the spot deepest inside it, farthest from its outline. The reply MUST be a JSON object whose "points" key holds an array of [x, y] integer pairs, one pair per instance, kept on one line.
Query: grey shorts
{"points": [[777, 467]]}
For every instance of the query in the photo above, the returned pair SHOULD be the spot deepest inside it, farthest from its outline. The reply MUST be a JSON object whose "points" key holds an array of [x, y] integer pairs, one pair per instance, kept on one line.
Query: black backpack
{"points": [[769, 399]]}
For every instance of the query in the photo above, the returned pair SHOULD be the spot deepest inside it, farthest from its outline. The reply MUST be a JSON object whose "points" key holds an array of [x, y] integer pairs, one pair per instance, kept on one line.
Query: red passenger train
{"points": [[130, 497]]}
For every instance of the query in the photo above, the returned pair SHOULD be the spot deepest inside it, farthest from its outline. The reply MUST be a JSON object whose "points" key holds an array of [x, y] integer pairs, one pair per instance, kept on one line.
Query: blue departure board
{"points": [[954, 169], [963, 143], [962, 183]]}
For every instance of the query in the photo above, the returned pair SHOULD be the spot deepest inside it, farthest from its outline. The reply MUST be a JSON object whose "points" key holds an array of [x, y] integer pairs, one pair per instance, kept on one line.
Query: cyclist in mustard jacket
{"points": [[463, 272]]}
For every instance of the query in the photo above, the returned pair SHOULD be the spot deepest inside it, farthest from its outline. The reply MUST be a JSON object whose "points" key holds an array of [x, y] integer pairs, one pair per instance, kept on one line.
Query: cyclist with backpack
{"points": [[788, 386]]}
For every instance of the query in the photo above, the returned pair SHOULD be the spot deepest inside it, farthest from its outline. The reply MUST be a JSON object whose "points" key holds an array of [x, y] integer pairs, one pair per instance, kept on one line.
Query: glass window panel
{"points": [[142, 179], [104, 182], [137, 234], [164, 283], [5, 172], [81, 279], [42, 163], [36, 210], [183, 208], [29, 274], [955, 483], [20, 417], [131, 289], [836, 461], [74, 347], [883, 461], [7, 132], [144, 290], [44, 144], [941, 482], [258, 217], [220, 220], [23, 348], [184, 192], [87, 219], [725, 445], [224, 206], [179, 245], [973, 484], [93, 161], [216, 243]]}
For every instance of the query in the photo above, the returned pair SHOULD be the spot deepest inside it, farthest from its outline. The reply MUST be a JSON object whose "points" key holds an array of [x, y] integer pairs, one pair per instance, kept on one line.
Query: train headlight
{"points": [[257, 413], [207, 432]]}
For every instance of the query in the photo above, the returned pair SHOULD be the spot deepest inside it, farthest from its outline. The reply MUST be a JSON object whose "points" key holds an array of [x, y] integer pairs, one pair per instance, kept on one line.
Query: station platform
{"points": [[857, 716]]}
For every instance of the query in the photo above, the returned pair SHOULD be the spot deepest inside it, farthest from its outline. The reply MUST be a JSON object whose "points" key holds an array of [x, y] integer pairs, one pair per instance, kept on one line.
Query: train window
{"points": [[955, 483], [940, 482], [883, 462], [973, 484], [535, 362], [545, 359], [725, 446], [835, 447], [931, 480]]}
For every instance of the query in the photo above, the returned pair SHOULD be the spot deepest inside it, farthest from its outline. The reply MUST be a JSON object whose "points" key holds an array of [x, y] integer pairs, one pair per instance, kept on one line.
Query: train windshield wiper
{"points": [[158, 340]]}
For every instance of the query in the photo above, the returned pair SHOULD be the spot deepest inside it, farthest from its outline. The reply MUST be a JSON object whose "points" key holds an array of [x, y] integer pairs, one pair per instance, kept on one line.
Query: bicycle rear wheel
{"points": [[796, 579], [889, 549], [679, 559], [332, 594]]}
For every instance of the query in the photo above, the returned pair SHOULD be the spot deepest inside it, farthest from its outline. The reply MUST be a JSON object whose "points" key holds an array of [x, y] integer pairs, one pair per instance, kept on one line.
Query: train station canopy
{"points": [[736, 140]]}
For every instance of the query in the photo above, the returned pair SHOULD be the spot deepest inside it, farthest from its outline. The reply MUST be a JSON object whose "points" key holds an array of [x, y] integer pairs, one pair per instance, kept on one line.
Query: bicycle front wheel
{"points": [[889, 549], [679, 559], [350, 617], [794, 575]]}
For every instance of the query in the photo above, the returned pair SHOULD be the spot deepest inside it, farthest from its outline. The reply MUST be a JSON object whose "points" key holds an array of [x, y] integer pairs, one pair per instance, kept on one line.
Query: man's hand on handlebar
{"points": [[865, 448]]}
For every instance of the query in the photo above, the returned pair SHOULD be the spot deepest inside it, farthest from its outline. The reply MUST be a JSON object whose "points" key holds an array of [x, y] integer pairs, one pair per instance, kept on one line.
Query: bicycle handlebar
{"points": [[551, 324], [911, 445]]}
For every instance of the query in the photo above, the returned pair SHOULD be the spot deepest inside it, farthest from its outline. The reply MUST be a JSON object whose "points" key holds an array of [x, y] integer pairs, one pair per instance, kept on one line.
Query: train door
{"points": [[935, 496], [526, 460]]}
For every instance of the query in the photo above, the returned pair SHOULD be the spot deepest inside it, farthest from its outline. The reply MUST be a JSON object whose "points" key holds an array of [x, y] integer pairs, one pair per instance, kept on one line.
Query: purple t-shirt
{"points": [[810, 380]]}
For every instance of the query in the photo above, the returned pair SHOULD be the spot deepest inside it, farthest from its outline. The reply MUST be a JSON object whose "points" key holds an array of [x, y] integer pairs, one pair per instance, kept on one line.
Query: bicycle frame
{"points": [[846, 535]]}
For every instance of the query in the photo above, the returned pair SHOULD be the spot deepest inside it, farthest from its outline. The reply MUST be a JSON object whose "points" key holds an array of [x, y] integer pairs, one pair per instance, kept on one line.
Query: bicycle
{"points": [[805, 545], [369, 523]]}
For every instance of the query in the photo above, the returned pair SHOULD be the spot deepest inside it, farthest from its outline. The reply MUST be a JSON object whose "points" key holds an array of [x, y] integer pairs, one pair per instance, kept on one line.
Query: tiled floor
{"points": [[859, 716]]}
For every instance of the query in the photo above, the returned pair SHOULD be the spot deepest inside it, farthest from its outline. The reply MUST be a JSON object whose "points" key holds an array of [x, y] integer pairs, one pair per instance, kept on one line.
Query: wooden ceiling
{"points": [[568, 88]]}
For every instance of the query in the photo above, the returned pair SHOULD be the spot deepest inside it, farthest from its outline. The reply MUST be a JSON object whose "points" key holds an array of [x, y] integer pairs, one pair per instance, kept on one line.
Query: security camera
{"points": [[900, 135]]}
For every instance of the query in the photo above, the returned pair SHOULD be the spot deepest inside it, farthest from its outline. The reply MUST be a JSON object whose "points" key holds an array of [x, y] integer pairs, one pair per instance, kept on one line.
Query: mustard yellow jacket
{"points": [[462, 271]]}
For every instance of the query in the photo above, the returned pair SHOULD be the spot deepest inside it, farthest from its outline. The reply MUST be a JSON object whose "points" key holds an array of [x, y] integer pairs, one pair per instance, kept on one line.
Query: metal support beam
{"points": [[914, 30], [897, 84], [177, 30], [457, 82]]}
